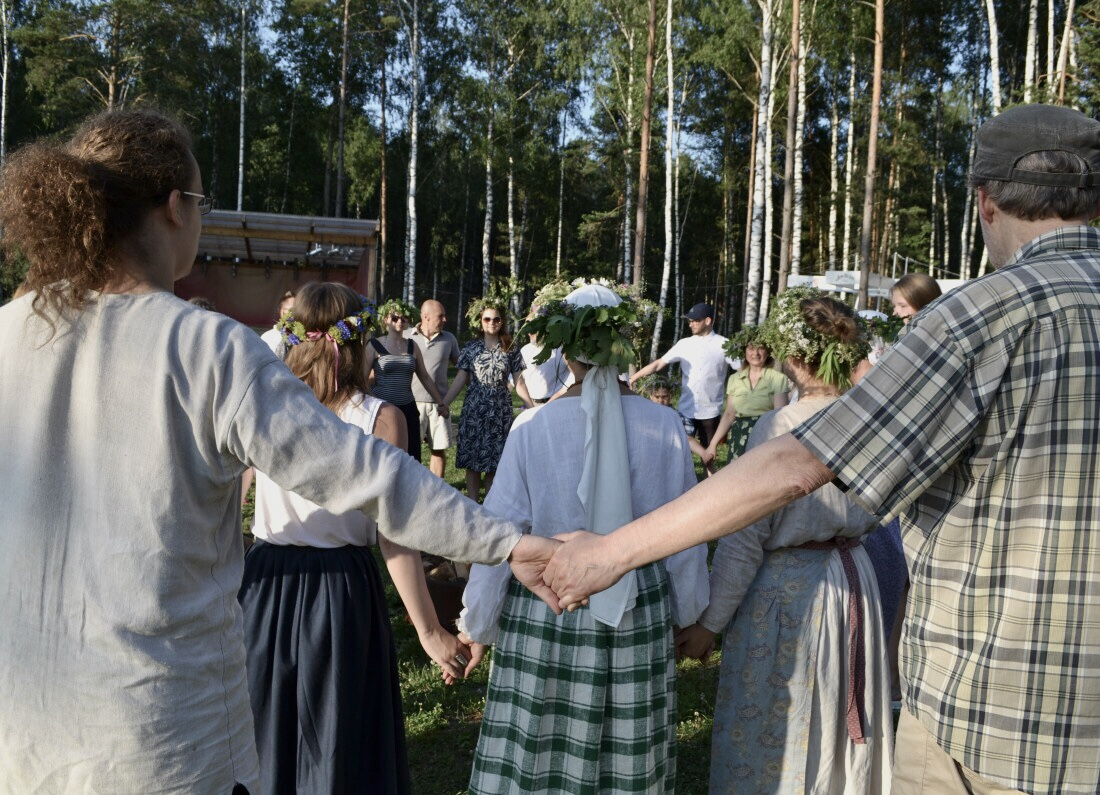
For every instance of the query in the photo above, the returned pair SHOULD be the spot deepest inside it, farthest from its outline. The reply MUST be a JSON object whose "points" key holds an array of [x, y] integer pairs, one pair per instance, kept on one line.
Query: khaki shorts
{"points": [[437, 431]]}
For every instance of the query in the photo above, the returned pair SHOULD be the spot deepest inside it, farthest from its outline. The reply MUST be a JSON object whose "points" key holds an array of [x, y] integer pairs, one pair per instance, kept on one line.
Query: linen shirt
{"points": [[124, 436], [753, 402], [703, 368], [982, 424], [543, 380]]}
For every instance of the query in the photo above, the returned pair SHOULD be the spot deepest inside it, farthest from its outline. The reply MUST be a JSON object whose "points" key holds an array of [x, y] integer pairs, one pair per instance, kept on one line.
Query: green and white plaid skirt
{"points": [[577, 707]]}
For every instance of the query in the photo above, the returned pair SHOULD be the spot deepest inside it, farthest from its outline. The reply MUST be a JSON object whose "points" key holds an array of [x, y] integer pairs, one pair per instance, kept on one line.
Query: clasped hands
{"points": [[565, 570]]}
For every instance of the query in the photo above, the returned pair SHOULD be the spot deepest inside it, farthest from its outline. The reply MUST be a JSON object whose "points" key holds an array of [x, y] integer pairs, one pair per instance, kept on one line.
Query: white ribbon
{"points": [[604, 488]]}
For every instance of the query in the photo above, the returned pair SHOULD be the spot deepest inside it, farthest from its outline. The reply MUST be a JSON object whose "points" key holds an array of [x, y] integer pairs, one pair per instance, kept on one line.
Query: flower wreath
{"points": [[649, 384], [395, 306], [736, 345], [348, 329], [602, 335], [787, 335]]}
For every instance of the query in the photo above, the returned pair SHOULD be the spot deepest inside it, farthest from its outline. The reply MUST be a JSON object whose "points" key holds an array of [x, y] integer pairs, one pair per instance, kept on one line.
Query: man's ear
{"points": [[986, 206]]}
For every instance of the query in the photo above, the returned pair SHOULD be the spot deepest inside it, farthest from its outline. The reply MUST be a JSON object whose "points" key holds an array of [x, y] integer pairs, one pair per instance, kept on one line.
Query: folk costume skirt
{"points": [[322, 672], [579, 708], [779, 718]]}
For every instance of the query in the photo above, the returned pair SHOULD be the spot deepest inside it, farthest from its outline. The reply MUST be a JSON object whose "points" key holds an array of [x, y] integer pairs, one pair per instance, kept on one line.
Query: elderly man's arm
{"points": [[752, 486]]}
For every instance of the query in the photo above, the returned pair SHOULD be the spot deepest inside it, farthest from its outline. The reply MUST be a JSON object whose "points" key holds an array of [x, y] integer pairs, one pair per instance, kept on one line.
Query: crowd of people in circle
{"points": [[903, 581]]}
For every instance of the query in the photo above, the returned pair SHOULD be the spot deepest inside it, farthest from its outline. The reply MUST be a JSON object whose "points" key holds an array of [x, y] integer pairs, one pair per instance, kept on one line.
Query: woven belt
{"points": [[857, 672]]}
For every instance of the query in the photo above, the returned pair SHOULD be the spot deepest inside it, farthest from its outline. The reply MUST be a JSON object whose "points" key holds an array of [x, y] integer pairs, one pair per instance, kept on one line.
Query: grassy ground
{"points": [[441, 723]]}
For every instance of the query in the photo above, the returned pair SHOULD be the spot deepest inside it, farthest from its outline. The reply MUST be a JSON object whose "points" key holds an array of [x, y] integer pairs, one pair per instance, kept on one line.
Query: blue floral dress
{"points": [[487, 410]]}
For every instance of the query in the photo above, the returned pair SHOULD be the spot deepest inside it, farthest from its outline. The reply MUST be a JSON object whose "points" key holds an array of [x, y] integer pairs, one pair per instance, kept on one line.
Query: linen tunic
{"points": [[979, 427], [124, 438], [573, 705], [779, 722]]}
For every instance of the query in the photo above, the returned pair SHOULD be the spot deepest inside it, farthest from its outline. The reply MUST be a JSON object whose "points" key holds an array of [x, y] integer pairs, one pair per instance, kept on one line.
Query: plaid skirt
{"points": [[577, 707]]}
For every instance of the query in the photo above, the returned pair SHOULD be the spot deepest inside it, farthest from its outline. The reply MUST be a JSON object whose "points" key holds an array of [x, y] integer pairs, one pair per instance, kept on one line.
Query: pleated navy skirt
{"points": [[322, 672]]}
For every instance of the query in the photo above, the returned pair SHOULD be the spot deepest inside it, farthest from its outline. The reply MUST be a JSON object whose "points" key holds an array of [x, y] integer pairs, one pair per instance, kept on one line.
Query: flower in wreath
{"points": [[748, 335]]}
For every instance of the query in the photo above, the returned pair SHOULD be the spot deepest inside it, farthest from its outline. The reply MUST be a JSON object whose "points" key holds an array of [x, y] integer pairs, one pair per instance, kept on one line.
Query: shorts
{"points": [[436, 430]]}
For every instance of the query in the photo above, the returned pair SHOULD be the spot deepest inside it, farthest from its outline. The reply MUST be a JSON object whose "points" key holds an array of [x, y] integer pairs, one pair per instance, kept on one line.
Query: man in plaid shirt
{"points": [[981, 428]]}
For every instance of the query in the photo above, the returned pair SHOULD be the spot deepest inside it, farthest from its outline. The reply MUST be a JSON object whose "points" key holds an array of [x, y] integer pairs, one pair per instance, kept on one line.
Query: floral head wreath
{"points": [[602, 335], [479, 305], [395, 306], [748, 335], [649, 384], [345, 330], [787, 335]]}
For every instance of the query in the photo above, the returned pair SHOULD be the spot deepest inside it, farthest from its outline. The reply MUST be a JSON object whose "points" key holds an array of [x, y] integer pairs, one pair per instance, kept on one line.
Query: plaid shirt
{"points": [[982, 425]]}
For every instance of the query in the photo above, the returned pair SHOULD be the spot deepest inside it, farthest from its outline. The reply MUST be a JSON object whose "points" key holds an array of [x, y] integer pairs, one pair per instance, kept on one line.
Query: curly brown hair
{"points": [[67, 207], [317, 306]]}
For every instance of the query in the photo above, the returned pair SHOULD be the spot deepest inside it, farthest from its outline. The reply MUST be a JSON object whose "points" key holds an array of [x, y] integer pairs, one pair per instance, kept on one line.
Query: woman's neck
{"points": [[491, 340]]}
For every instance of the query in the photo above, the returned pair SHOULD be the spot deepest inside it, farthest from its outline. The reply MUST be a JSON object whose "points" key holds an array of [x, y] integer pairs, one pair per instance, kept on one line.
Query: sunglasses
{"points": [[491, 320], [398, 318]]}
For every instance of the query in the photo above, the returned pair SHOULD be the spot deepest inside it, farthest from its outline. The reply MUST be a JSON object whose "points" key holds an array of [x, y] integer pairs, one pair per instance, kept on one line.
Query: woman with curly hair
{"points": [[485, 363], [127, 425], [393, 361], [803, 702]]}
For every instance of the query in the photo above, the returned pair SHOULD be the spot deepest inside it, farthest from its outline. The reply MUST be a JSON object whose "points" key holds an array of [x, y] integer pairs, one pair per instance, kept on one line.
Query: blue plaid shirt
{"points": [[981, 426]]}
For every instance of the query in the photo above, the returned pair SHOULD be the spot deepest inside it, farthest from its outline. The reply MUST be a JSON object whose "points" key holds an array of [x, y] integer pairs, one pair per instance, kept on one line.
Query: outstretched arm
{"points": [[653, 367], [754, 485]]}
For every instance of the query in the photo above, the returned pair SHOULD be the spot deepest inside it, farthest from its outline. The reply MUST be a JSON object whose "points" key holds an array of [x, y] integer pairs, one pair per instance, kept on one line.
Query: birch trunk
{"points": [[561, 199], [487, 231], [769, 204], [1031, 53], [1063, 51], [834, 178], [849, 162], [756, 234], [240, 146], [410, 12], [670, 111], [513, 253], [799, 146], [994, 56], [6, 12], [788, 156], [872, 149], [1049, 86]]}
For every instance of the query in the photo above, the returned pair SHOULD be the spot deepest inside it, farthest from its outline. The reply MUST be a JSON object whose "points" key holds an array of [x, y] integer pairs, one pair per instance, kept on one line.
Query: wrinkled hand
{"points": [[580, 568], [696, 642], [528, 561], [477, 652], [445, 650]]}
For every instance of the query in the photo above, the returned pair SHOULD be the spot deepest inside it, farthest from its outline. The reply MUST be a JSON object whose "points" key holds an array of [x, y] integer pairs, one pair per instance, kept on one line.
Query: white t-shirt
{"points": [[285, 518], [124, 436], [544, 380], [704, 369]]}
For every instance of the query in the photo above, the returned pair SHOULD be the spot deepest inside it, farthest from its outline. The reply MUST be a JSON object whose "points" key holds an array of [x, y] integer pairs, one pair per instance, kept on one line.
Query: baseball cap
{"points": [[700, 311], [1025, 129]]}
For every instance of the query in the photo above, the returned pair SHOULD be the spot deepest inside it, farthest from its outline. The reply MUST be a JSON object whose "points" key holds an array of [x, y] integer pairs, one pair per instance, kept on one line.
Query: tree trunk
{"points": [[561, 198], [1063, 52], [670, 126], [799, 144], [6, 12], [240, 149], [834, 178], [872, 149], [342, 103], [788, 160], [513, 253], [414, 147], [759, 193], [994, 56], [487, 231], [769, 203], [383, 222], [849, 163], [1031, 51], [643, 156]]}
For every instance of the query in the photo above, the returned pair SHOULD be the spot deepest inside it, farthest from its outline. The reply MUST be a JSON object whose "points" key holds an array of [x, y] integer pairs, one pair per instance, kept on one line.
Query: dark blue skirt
{"points": [[322, 672]]}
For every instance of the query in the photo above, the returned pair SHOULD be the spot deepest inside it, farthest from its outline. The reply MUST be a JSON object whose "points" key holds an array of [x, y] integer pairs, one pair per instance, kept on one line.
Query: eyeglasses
{"points": [[491, 320], [206, 203]]}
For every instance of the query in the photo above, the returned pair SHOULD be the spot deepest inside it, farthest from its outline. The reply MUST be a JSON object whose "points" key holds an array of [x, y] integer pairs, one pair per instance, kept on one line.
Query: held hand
{"points": [[444, 410], [709, 455], [580, 568], [477, 652], [448, 652], [696, 642], [528, 560]]}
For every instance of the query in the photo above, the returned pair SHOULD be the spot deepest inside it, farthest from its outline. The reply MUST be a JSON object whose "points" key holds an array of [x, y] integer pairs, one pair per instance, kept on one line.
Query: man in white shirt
{"points": [[703, 368], [440, 349], [544, 380]]}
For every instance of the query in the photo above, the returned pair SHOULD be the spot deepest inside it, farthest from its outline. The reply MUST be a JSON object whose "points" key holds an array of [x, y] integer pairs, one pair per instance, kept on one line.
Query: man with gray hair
{"points": [[440, 349], [980, 427]]}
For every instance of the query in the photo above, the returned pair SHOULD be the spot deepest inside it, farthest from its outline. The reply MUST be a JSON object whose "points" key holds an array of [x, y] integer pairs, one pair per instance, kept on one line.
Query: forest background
{"points": [[701, 148]]}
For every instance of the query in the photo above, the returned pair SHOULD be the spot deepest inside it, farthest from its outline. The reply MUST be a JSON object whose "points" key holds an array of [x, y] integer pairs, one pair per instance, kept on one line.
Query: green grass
{"points": [[441, 723]]}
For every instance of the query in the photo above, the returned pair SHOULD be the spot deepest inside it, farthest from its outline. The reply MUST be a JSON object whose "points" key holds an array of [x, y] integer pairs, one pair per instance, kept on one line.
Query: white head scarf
{"points": [[604, 490]]}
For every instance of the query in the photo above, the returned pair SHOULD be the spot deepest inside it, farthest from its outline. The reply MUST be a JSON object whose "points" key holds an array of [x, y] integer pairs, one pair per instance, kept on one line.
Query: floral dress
{"points": [[487, 410]]}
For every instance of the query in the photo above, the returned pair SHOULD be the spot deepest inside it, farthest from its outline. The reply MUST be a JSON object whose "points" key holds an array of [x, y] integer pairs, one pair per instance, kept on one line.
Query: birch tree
{"points": [[761, 189]]}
